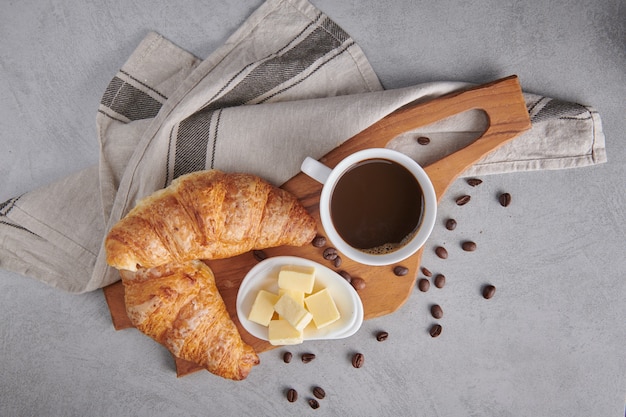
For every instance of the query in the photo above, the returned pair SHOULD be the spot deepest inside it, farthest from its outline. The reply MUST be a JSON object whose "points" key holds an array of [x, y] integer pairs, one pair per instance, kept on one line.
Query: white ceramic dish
{"points": [[264, 276]]}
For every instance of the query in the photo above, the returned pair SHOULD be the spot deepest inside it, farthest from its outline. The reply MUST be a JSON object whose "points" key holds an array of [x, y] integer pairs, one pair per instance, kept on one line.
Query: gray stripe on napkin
{"points": [[558, 109], [287, 64], [191, 143], [5, 209], [129, 101]]}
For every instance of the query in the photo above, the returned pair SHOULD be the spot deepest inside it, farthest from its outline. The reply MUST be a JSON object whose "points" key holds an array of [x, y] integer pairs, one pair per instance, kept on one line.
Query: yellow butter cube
{"points": [[263, 307], [323, 308], [296, 295], [280, 332], [297, 278], [293, 312]]}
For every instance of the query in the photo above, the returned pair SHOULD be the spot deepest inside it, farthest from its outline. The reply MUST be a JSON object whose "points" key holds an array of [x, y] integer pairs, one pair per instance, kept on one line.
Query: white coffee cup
{"points": [[399, 251]]}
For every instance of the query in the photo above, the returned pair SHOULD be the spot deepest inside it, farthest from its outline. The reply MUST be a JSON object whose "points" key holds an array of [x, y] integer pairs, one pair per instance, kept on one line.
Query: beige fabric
{"points": [[288, 84]]}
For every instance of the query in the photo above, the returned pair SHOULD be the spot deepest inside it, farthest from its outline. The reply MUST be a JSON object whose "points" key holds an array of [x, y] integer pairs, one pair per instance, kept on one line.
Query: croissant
{"points": [[179, 306], [207, 215]]}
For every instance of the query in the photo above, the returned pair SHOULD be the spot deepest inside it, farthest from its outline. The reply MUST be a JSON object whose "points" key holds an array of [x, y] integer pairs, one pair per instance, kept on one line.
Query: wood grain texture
{"points": [[385, 292]]}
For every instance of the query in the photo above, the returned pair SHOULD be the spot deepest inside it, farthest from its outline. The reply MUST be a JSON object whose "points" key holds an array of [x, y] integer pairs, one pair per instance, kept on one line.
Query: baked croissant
{"points": [[179, 306], [207, 215]]}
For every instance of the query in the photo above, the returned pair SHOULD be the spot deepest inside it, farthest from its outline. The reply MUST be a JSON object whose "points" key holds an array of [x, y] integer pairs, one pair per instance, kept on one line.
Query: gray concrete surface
{"points": [[550, 343]]}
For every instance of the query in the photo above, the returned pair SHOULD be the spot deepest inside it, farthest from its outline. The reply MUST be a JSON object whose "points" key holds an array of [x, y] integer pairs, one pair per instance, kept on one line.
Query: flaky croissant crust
{"points": [[170, 295], [179, 306], [207, 215]]}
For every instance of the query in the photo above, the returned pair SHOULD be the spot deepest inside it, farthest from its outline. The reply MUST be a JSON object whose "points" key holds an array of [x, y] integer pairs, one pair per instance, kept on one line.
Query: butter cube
{"points": [[296, 295], [297, 278], [322, 307], [263, 308], [293, 312], [280, 332]]}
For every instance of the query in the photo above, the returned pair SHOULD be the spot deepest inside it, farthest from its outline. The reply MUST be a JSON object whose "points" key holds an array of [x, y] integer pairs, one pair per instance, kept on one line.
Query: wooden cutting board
{"points": [[385, 292]]}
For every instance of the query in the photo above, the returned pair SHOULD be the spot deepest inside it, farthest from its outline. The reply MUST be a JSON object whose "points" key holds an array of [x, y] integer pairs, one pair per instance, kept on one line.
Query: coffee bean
{"points": [[259, 255], [505, 199], [426, 272], [287, 357], [441, 252], [474, 181], [440, 280], [423, 140], [330, 254], [489, 291], [319, 393], [358, 283], [450, 224], [346, 275], [423, 285], [436, 311], [400, 270], [357, 360], [337, 261], [463, 200], [382, 336], [292, 395], [319, 241], [314, 403], [469, 246], [307, 357], [435, 330]]}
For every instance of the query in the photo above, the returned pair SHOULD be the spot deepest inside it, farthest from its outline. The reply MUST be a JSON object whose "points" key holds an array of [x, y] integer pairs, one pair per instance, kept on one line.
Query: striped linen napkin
{"points": [[289, 83]]}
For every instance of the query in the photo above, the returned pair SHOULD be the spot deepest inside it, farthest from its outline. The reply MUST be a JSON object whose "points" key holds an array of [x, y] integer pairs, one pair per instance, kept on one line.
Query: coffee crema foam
{"points": [[387, 248]]}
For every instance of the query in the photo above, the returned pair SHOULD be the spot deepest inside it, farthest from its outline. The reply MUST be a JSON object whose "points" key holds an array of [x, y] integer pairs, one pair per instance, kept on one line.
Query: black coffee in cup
{"points": [[377, 205]]}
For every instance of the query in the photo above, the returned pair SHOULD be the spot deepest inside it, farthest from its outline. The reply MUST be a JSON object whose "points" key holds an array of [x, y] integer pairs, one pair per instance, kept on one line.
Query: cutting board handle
{"points": [[501, 100]]}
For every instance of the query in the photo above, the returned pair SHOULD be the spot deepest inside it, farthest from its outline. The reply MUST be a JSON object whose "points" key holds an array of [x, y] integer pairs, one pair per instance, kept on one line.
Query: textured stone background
{"points": [[551, 343]]}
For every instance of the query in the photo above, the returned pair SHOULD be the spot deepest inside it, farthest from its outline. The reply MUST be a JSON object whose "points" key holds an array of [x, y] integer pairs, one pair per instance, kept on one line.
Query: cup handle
{"points": [[315, 169]]}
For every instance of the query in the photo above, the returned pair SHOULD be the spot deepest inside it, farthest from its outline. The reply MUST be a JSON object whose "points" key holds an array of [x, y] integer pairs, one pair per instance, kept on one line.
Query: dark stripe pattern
{"points": [[194, 133], [192, 141], [5, 209], [558, 109], [129, 101]]}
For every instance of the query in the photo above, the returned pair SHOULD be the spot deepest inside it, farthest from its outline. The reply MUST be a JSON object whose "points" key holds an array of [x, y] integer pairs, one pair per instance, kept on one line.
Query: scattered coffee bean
{"points": [[469, 246], [426, 272], [319, 393], [441, 252], [319, 241], [450, 224], [474, 181], [463, 200], [400, 271], [382, 336], [435, 330], [287, 357], [292, 395], [357, 360], [440, 280], [505, 199], [423, 140], [337, 261], [259, 255], [307, 357], [489, 291], [314, 403], [330, 254], [358, 283], [436, 311], [346, 275], [423, 285]]}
